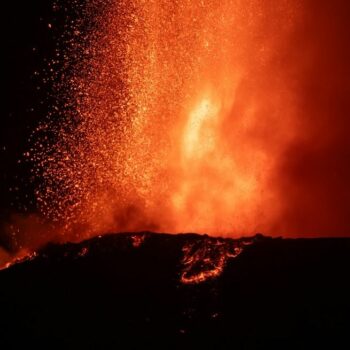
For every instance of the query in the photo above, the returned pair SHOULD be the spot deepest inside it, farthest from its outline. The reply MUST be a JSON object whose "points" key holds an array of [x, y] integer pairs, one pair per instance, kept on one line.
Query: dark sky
{"points": [[26, 43], [315, 172]]}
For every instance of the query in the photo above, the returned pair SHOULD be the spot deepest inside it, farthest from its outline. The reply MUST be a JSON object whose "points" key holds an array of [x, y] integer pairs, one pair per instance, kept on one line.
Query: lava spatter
{"points": [[162, 118]]}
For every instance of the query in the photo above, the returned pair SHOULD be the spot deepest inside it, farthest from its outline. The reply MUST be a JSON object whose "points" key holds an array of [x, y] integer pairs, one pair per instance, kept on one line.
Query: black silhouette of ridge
{"points": [[126, 291]]}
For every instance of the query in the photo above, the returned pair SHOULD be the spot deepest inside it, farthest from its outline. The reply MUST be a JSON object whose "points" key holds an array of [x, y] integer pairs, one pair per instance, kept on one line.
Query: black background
{"points": [[28, 44]]}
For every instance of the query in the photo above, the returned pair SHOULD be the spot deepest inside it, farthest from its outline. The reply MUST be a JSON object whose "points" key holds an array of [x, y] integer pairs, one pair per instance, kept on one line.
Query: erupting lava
{"points": [[206, 259], [174, 118]]}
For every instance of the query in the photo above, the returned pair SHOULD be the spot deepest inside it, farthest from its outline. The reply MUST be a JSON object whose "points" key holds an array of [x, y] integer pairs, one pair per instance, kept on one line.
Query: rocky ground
{"points": [[179, 291]]}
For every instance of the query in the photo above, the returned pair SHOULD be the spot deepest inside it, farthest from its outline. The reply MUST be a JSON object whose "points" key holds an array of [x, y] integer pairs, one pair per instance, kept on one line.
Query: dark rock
{"points": [[126, 290]]}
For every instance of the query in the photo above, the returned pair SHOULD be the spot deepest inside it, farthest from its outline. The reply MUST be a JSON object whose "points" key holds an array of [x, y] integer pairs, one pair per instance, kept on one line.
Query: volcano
{"points": [[226, 117], [146, 289]]}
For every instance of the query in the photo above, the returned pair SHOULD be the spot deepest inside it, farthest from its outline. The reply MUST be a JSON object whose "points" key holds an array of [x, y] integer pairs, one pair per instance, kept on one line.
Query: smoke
{"points": [[313, 171]]}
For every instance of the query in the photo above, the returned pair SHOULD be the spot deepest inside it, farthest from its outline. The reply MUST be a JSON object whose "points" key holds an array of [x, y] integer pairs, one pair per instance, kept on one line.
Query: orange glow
{"points": [[206, 259], [21, 256], [176, 116]]}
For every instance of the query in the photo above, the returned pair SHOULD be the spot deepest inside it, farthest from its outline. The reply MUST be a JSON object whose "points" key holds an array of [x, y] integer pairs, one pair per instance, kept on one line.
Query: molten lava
{"points": [[174, 116], [206, 259]]}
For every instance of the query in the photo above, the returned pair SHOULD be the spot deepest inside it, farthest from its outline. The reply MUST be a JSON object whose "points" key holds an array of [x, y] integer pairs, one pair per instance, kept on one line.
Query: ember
{"points": [[137, 240], [163, 125], [22, 256], [205, 259]]}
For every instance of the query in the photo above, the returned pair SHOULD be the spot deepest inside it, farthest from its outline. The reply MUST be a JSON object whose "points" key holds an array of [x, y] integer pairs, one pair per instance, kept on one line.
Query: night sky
{"points": [[27, 44]]}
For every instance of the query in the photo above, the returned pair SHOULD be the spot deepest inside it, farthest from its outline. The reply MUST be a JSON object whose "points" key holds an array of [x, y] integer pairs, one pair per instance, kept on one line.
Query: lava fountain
{"points": [[175, 116]]}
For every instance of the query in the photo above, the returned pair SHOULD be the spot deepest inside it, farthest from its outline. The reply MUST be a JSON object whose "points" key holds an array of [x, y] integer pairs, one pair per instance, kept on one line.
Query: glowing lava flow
{"points": [[206, 259], [174, 118]]}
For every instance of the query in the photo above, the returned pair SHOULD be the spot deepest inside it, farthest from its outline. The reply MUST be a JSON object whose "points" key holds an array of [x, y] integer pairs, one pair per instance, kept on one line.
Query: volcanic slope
{"points": [[177, 291]]}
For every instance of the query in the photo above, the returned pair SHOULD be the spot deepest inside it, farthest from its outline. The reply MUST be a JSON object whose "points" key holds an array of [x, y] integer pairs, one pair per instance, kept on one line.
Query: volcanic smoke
{"points": [[179, 115], [187, 116]]}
